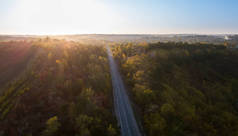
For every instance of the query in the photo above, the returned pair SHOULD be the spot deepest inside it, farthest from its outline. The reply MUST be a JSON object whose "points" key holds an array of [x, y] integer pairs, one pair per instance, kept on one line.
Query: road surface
{"points": [[123, 110]]}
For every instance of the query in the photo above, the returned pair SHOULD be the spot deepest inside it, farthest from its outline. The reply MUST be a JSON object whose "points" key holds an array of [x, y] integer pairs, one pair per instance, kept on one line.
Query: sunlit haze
{"points": [[118, 16]]}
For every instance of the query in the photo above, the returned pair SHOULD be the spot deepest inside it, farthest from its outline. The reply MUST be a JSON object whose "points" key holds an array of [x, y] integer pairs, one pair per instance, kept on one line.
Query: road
{"points": [[123, 109]]}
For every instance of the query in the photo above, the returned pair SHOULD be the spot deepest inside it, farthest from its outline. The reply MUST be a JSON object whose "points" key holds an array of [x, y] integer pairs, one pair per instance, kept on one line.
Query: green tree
{"points": [[111, 131], [52, 126]]}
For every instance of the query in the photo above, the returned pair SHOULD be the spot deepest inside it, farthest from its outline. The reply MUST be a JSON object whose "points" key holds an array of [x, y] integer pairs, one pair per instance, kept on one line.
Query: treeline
{"points": [[65, 90], [182, 89]]}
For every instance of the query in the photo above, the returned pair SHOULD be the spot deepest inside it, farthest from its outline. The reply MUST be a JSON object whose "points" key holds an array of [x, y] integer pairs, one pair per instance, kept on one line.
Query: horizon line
{"points": [[2, 34]]}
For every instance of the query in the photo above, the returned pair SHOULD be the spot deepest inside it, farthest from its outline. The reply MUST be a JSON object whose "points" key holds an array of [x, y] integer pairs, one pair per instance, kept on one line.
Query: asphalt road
{"points": [[123, 109]]}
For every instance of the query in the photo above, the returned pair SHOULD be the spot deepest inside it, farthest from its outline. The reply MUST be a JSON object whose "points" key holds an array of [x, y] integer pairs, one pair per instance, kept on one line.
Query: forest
{"points": [[54, 87], [62, 88], [181, 89], [118, 67]]}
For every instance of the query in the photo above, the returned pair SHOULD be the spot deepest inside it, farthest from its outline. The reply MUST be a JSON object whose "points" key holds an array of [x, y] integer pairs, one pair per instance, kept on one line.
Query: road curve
{"points": [[123, 110]]}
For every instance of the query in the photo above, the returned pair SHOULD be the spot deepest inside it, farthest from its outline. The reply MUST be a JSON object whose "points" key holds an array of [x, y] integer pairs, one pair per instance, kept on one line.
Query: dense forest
{"points": [[51, 87], [182, 89], [55, 88]]}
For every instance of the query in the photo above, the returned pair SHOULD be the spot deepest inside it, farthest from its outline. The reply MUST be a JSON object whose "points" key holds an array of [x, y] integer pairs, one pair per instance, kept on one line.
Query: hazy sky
{"points": [[118, 16]]}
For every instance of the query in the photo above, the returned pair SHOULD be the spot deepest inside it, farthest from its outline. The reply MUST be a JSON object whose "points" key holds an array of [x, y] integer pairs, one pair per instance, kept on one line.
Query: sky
{"points": [[41, 17]]}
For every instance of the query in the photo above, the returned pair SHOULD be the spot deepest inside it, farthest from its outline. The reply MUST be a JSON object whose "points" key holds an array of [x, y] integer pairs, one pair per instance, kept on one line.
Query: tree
{"points": [[52, 126], [83, 123], [111, 131]]}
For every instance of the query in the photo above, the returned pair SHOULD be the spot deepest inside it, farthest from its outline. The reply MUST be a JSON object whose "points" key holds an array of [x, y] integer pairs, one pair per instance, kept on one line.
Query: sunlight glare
{"points": [[63, 16]]}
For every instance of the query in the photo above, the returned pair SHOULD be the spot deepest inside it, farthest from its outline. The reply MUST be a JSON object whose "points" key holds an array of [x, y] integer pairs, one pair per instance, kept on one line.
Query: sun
{"points": [[63, 16]]}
